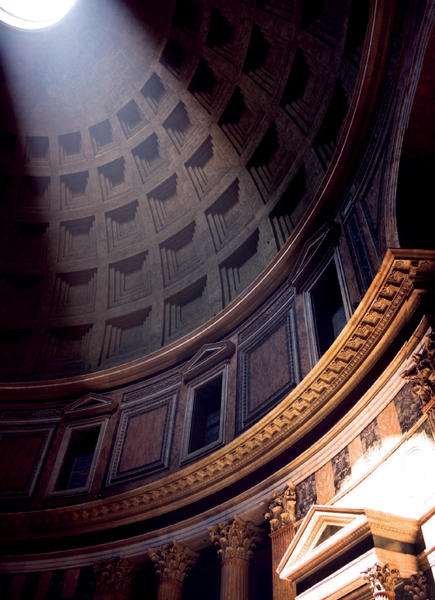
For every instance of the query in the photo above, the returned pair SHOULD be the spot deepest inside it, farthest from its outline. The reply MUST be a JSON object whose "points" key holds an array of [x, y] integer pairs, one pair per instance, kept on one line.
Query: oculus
{"points": [[34, 14]]}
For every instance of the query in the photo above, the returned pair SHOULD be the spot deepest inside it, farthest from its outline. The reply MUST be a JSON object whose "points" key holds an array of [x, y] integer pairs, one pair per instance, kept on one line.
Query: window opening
{"points": [[78, 459], [206, 414], [329, 311]]}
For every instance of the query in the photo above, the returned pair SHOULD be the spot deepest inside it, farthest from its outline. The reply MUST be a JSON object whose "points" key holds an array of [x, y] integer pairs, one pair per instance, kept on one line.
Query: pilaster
{"points": [[281, 516]]}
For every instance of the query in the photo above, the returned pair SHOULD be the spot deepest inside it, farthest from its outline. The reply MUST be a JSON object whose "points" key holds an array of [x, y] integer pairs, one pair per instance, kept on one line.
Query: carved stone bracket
{"points": [[382, 581], [115, 575], [236, 538], [173, 561], [282, 508]]}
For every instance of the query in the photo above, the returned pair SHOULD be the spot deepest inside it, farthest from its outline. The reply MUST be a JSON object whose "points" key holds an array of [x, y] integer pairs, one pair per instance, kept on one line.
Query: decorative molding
{"points": [[173, 561], [282, 508], [278, 302], [117, 574], [46, 415], [236, 538], [154, 388], [388, 304]]}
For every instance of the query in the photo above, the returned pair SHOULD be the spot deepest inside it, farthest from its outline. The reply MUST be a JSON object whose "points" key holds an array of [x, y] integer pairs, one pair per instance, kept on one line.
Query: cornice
{"points": [[387, 305]]}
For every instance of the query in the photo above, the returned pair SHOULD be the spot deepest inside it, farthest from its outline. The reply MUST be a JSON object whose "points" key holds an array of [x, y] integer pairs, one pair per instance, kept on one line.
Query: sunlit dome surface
{"points": [[32, 14]]}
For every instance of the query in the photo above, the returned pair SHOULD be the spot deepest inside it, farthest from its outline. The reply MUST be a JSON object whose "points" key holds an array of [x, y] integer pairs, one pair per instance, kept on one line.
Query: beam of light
{"points": [[34, 14]]}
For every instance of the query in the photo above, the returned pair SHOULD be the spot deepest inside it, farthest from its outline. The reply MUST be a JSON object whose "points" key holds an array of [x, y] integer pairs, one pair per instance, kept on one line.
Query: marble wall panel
{"points": [[55, 587], [341, 468], [30, 586], [144, 439], [86, 582], [388, 423], [408, 408], [266, 364], [325, 483], [22, 454], [370, 439], [306, 493]]}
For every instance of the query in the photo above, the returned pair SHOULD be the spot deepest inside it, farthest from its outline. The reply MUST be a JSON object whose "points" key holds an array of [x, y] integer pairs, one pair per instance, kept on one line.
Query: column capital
{"points": [[115, 575], [417, 587], [173, 561], [422, 373], [382, 580], [282, 508], [236, 538]]}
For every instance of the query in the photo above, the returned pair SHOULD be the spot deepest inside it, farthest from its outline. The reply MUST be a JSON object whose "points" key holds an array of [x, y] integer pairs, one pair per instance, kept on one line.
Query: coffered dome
{"points": [[154, 159]]}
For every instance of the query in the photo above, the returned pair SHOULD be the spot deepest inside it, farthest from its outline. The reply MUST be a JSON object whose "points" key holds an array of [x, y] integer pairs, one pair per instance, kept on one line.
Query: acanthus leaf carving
{"points": [[381, 578], [115, 575], [416, 586], [282, 509], [236, 538], [173, 561]]}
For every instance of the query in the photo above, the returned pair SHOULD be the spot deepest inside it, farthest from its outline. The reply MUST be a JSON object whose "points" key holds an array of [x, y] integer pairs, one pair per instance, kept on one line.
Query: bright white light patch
{"points": [[33, 14]]}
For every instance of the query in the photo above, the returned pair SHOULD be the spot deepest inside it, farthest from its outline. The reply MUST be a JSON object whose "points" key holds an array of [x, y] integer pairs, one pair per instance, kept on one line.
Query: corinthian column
{"points": [[282, 516], [382, 581], [236, 540], [173, 561], [114, 579]]}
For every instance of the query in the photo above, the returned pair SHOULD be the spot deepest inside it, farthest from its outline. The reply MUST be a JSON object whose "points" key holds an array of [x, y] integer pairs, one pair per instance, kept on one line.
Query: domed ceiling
{"points": [[154, 158]]}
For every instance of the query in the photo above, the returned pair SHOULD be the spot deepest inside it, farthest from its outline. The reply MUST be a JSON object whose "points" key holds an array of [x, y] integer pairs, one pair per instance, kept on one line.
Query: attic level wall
{"points": [[146, 426]]}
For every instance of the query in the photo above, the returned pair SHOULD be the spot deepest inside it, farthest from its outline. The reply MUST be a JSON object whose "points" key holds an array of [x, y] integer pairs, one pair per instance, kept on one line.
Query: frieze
{"points": [[275, 432], [22, 415], [153, 388], [281, 303]]}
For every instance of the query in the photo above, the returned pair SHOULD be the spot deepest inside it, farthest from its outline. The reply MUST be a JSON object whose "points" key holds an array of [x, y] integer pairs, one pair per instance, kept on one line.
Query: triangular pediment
{"points": [[89, 405], [334, 546], [319, 526], [313, 253], [208, 356]]}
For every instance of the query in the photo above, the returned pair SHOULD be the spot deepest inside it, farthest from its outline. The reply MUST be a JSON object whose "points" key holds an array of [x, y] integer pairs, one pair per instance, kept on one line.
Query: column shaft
{"points": [[234, 579], [170, 589]]}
